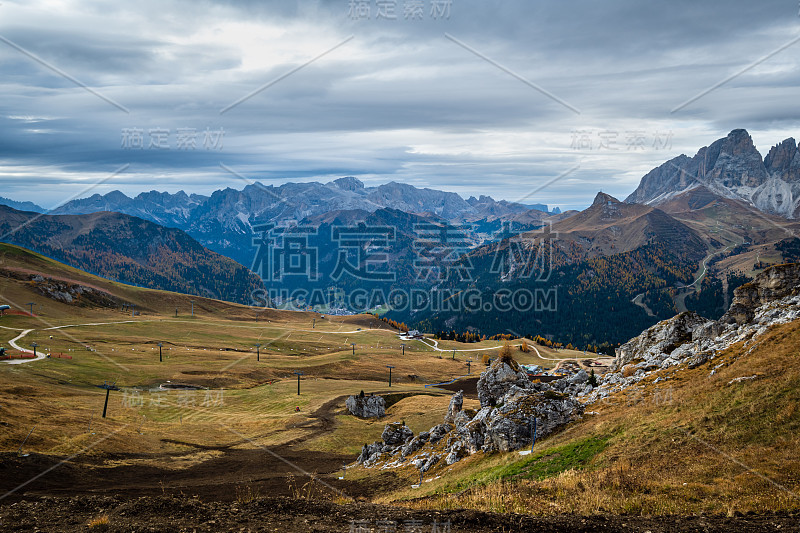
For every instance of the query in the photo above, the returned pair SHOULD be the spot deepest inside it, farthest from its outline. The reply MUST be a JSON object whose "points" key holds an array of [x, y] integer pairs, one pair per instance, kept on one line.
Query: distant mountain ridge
{"points": [[591, 267], [730, 167], [163, 208], [224, 221], [22, 206], [609, 226], [293, 202]]}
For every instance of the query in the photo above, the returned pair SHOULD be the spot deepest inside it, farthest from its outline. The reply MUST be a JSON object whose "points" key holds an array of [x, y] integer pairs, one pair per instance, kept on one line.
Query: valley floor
{"points": [[245, 451]]}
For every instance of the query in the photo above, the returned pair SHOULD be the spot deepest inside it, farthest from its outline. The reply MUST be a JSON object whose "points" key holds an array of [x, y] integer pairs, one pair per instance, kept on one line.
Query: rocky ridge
{"points": [[689, 340]]}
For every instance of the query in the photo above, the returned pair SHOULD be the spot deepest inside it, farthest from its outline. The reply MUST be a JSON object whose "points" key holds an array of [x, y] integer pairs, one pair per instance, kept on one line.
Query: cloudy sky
{"points": [[476, 97]]}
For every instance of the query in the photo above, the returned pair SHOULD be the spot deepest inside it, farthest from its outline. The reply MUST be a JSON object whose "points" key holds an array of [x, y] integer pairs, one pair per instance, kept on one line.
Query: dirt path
{"points": [[13, 344], [435, 346], [639, 300], [42, 355], [223, 472]]}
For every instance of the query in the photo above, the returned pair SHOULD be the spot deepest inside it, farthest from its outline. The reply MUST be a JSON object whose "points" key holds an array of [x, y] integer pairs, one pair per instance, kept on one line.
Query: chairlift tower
{"points": [[108, 389], [298, 382]]}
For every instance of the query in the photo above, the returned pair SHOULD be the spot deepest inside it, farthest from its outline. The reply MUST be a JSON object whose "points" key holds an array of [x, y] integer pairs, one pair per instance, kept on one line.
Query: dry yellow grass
{"points": [[101, 523], [695, 444]]}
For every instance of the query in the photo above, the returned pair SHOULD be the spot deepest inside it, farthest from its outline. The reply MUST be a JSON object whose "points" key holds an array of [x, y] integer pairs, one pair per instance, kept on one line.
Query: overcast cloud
{"points": [[405, 100]]}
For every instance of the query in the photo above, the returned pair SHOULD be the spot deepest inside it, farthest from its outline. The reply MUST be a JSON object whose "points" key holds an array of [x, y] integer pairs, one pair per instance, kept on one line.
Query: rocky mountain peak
{"points": [[604, 199], [737, 143], [781, 156], [349, 183], [730, 167], [116, 196], [482, 200], [740, 136], [732, 162]]}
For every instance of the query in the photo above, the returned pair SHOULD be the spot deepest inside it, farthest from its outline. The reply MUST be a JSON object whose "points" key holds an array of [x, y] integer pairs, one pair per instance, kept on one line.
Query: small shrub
{"points": [[507, 357], [247, 494], [101, 523]]}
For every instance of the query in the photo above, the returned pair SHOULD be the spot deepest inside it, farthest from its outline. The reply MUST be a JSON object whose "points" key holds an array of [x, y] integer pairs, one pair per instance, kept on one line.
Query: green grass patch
{"points": [[547, 463]]}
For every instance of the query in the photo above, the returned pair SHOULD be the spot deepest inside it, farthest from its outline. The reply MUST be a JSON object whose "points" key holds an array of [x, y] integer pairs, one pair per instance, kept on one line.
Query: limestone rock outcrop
{"points": [[503, 374], [366, 406], [505, 423]]}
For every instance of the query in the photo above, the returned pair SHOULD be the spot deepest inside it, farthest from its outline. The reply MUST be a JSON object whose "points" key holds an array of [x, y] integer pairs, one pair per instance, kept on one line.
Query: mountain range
{"points": [[224, 221], [294, 202], [730, 167], [694, 228]]}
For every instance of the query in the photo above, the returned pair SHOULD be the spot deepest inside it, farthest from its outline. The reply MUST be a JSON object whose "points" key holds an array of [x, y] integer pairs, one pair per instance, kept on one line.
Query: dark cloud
{"points": [[400, 101]]}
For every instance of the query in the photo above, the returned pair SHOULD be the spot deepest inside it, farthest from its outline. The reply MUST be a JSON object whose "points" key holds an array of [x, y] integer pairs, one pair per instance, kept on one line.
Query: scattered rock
{"points": [[432, 460], [743, 378], [366, 406], [394, 434], [461, 419], [774, 283], [505, 424], [689, 341], [415, 444], [579, 378], [456, 404], [438, 432]]}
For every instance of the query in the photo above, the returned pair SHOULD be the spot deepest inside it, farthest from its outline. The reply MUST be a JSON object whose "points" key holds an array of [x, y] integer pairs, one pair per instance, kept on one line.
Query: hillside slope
{"points": [[590, 266], [699, 417], [130, 250], [59, 290]]}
